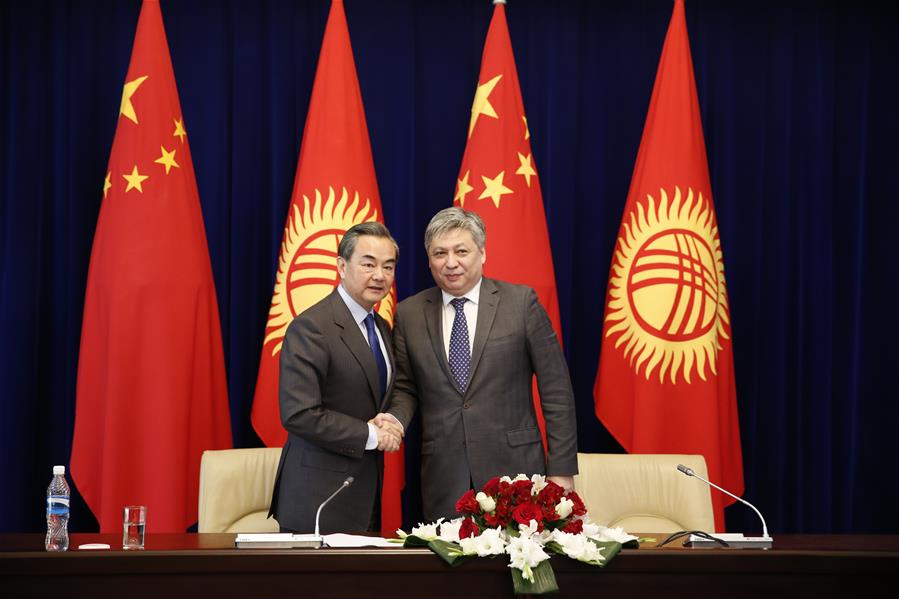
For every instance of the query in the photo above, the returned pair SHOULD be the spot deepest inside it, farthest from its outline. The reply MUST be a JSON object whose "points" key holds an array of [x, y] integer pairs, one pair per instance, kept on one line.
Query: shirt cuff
{"points": [[372, 442]]}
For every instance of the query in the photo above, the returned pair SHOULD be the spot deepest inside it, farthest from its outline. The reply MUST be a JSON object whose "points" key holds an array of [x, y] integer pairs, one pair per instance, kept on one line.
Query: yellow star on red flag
{"points": [[494, 188], [134, 180], [127, 108], [168, 159], [481, 104], [462, 188], [526, 169]]}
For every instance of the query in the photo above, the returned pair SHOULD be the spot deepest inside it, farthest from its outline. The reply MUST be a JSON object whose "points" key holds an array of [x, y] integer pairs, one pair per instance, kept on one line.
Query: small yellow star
{"points": [[179, 129], [527, 131], [134, 180], [526, 169], [168, 159], [462, 189], [127, 108], [107, 184], [494, 188], [481, 103]]}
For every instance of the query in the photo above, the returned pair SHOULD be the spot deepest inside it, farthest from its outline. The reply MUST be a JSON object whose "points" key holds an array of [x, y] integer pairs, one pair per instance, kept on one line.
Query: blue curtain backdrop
{"points": [[799, 107]]}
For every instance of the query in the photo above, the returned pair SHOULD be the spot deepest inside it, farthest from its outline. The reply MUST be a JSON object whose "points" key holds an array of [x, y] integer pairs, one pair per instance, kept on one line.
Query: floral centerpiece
{"points": [[527, 519]]}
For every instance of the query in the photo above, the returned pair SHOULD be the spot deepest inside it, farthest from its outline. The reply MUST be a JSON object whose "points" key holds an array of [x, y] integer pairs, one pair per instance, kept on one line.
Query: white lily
{"points": [[427, 532], [449, 531], [525, 554]]}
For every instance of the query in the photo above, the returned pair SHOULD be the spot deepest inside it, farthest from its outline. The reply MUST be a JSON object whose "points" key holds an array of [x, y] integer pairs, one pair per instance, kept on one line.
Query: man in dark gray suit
{"points": [[466, 353], [336, 366]]}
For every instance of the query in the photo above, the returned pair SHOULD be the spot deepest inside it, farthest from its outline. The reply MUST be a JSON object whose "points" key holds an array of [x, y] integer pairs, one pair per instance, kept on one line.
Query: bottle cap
{"points": [[59, 470]]}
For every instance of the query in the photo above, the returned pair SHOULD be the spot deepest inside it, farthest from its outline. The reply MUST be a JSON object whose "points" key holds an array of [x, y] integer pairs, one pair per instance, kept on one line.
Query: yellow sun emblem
{"points": [[307, 266], [667, 296]]}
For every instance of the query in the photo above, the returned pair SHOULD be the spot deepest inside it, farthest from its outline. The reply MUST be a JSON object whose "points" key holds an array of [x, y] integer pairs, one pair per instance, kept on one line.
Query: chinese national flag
{"points": [[151, 393], [335, 188], [666, 376], [498, 179]]}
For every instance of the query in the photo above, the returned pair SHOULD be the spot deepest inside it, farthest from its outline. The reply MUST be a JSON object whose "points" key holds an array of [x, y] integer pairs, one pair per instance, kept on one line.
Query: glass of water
{"points": [[134, 521]]}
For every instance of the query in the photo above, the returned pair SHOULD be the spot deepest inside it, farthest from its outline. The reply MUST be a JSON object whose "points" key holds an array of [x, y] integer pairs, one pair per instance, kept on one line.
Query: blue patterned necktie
{"points": [[376, 351], [459, 350]]}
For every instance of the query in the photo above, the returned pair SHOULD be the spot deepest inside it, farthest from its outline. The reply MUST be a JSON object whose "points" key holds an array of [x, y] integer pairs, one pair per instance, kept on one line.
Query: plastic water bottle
{"points": [[58, 511]]}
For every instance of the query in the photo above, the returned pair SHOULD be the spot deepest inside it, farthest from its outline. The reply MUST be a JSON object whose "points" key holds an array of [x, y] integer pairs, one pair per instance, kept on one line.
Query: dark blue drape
{"points": [[799, 107]]}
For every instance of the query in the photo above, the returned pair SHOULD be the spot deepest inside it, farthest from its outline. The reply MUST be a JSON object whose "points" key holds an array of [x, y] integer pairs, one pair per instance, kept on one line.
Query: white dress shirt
{"points": [[470, 308]]}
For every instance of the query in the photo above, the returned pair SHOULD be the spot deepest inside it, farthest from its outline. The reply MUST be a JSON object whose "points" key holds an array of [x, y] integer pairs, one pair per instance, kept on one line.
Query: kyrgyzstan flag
{"points": [[151, 394], [666, 376], [498, 179], [335, 188]]}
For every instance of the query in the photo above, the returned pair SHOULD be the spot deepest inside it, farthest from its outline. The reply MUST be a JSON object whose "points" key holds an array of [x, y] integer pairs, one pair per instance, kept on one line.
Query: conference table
{"points": [[209, 565]]}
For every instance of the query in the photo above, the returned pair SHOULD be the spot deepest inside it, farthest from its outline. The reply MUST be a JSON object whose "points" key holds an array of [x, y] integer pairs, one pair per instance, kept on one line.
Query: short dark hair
{"points": [[351, 237], [450, 219]]}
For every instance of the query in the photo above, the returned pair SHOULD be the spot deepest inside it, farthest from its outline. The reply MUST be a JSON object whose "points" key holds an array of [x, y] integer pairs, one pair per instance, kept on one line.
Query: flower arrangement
{"points": [[526, 519]]}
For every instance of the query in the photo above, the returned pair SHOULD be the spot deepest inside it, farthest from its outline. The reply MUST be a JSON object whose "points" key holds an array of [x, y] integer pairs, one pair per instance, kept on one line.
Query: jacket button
{"points": [[466, 405]]}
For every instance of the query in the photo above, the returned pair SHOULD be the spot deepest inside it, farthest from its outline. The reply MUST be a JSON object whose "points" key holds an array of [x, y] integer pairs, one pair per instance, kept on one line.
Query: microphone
{"points": [[732, 539], [346, 483]]}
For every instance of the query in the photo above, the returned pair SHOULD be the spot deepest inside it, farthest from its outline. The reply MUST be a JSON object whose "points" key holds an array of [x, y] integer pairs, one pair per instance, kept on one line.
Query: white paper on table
{"points": [[344, 540]]}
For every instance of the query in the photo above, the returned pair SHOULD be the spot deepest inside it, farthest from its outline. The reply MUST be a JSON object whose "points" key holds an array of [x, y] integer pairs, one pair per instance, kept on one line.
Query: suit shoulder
{"points": [[513, 289], [420, 298]]}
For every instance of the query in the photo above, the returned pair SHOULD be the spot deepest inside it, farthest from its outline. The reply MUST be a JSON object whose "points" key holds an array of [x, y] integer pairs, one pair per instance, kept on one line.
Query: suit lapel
{"points": [[434, 322], [355, 341], [489, 300]]}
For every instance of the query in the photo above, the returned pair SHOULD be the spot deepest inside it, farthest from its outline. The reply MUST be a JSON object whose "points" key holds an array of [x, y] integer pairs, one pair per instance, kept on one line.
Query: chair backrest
{"points": [[645, 492], [236, 490]]}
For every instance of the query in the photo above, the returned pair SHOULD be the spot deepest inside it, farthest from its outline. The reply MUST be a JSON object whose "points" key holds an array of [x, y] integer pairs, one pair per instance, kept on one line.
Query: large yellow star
{"points": [[526, 169], [107, 184], [168, 159], [494, 188], [481, 103], [179, 129], [462, 189], [134, 180], [127, 108]]}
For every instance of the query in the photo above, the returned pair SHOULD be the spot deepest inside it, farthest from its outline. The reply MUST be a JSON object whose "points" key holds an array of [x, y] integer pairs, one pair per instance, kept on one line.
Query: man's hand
{"points": [[566, 482], [390, 431], [387, 440], [388, 422]]}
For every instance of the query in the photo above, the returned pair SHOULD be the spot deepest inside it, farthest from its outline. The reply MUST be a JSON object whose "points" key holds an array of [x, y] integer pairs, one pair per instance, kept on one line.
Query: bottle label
{"points": [[57, 504]]}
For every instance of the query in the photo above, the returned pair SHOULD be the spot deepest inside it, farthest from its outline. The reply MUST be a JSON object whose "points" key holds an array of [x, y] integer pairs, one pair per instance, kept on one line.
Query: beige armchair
{"points": [[236, 490], [645, 492]]}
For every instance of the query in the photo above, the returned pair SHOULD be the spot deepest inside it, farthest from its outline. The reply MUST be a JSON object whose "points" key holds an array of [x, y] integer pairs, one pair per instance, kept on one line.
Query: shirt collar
{"points": [[357, 311], [473, 295]]}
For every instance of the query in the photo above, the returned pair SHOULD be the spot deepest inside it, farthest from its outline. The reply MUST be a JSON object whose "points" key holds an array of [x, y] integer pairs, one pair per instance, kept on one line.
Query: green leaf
{"points": [[451, 553], [634, 543], [413, 541], [544, 581], [608, 549]]}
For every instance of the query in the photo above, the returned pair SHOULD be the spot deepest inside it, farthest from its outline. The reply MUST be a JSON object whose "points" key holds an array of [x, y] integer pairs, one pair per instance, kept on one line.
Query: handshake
{"points": [[390, 431]]}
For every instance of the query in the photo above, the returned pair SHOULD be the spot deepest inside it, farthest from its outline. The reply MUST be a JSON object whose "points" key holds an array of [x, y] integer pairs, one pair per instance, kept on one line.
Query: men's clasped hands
{"points": [[390, 431]]}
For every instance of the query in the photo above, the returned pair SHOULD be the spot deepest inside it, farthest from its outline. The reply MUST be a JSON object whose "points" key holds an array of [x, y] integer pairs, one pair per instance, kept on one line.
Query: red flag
{"points": [[498, 179], [335, 188], [666, 377], [151, 394]]}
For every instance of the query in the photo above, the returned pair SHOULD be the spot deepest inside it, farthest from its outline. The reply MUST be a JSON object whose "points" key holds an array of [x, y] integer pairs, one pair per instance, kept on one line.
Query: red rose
{"points": [[575, 526], [528, 511], [467, 504], [521, 489], [492, 487], [578, 509], [468, 529], [550, 494], [493, 520]]}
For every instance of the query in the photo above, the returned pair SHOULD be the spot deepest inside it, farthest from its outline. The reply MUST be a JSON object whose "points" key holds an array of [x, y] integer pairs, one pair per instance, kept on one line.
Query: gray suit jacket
{"points": [[329, 388], [491, 429]]}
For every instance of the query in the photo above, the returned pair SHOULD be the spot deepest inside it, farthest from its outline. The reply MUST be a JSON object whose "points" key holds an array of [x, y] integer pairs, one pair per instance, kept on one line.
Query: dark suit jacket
{"points": [[491, 429], [329, 389]]}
